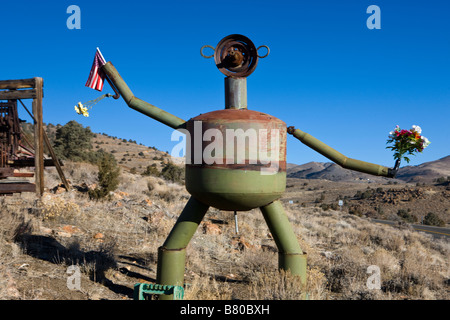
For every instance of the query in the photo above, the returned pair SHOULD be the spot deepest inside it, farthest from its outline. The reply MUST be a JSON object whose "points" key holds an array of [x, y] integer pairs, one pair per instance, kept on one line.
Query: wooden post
{"points": [[52, 152], [38, 137]]}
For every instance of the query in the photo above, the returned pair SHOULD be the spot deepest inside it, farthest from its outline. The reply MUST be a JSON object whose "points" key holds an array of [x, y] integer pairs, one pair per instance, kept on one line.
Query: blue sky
{"points": [[327, 73]]}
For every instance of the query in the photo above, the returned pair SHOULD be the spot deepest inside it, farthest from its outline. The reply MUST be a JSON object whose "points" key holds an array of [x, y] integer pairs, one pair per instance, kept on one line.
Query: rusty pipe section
{"points": [[339, 158], [138, 104], [235, 93]]}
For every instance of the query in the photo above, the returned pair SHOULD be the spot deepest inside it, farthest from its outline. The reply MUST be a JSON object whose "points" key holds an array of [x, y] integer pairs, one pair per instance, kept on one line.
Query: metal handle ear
{"points": [[268, 51], [205, 56]]}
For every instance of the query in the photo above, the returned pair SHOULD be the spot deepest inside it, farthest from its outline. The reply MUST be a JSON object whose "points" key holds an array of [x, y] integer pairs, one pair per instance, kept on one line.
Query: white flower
{"points": [[397, 129], [416, 129], [425, 141]]}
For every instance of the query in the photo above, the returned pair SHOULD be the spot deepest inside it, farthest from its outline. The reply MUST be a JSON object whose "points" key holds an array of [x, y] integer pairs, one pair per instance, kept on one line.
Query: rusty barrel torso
{"points": [[236, 159]]}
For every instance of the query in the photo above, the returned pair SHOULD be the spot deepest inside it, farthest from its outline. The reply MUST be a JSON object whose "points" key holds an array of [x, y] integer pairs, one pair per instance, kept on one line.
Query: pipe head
{"points": [[236, 56]]}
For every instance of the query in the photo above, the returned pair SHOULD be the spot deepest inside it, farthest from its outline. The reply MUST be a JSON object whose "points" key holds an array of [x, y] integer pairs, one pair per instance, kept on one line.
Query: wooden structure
{"points": [[13, 153]]}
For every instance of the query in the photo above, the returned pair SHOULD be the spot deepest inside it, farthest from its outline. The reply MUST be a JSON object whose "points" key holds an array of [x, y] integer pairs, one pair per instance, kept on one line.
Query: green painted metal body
{"points": [[240, 178], [234, 190]]}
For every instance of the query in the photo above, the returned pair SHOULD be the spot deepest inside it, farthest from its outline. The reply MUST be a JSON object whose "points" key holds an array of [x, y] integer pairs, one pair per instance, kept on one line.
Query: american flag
{"points": [[97, 76]]}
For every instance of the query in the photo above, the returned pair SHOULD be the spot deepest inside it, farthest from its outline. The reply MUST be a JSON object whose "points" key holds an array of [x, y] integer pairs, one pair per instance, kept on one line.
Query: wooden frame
{"points": [[32, 89]]}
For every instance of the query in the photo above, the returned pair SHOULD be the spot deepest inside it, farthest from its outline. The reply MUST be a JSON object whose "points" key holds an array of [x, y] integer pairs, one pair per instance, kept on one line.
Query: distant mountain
{"points": [[305, 171], [327, 171], [425, 172]]}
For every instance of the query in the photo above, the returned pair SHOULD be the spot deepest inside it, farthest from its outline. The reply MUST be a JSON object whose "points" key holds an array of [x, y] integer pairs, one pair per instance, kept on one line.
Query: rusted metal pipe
{"points": [[339, 158], [138, 104], [235, 93]]}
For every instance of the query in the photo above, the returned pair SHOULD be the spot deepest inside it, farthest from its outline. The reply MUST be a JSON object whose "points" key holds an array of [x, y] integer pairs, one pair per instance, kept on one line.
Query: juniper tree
{"points": [[108, 176], [73, 142]]}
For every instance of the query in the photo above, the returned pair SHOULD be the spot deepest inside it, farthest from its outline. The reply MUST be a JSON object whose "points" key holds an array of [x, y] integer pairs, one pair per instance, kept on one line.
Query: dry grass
{"points": [[140, 215]]}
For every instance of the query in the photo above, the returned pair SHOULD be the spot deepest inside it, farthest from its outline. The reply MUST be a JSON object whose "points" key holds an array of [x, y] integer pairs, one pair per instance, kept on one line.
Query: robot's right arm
{"points": [[138, 104], [340, 159]]}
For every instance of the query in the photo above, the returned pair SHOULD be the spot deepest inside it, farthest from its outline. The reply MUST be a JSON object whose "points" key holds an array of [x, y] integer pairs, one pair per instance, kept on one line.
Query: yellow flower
{"points": [[77, 108], [80, 109]]}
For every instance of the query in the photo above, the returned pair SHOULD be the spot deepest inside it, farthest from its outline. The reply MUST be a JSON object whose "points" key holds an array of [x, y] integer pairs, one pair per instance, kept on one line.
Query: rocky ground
{"points": [[114, 243], [380, 200]]}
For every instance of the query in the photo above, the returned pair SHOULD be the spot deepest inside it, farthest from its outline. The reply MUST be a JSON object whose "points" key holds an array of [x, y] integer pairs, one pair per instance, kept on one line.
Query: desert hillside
{"points": [[114, 241]]}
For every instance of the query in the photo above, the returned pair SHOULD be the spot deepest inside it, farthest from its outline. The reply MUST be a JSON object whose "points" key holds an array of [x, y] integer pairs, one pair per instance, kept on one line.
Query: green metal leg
{"points": [[172, 255], [290, 255]]}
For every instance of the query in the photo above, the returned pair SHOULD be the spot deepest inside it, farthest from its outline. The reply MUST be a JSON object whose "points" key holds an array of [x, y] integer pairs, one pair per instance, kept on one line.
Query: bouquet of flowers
{"points": [[406, 142], [83, 108]]}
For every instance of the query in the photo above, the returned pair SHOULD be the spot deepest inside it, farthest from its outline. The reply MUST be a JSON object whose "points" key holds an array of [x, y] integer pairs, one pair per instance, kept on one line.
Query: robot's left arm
{"points": [[340, 159]]}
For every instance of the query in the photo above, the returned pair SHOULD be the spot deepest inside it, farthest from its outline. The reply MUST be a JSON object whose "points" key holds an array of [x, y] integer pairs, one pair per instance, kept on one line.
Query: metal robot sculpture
{"points": [[239, 178]]}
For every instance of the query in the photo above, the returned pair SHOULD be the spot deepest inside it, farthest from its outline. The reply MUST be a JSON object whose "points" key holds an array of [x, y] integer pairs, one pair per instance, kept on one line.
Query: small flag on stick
{"points": [[97, 76]]}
